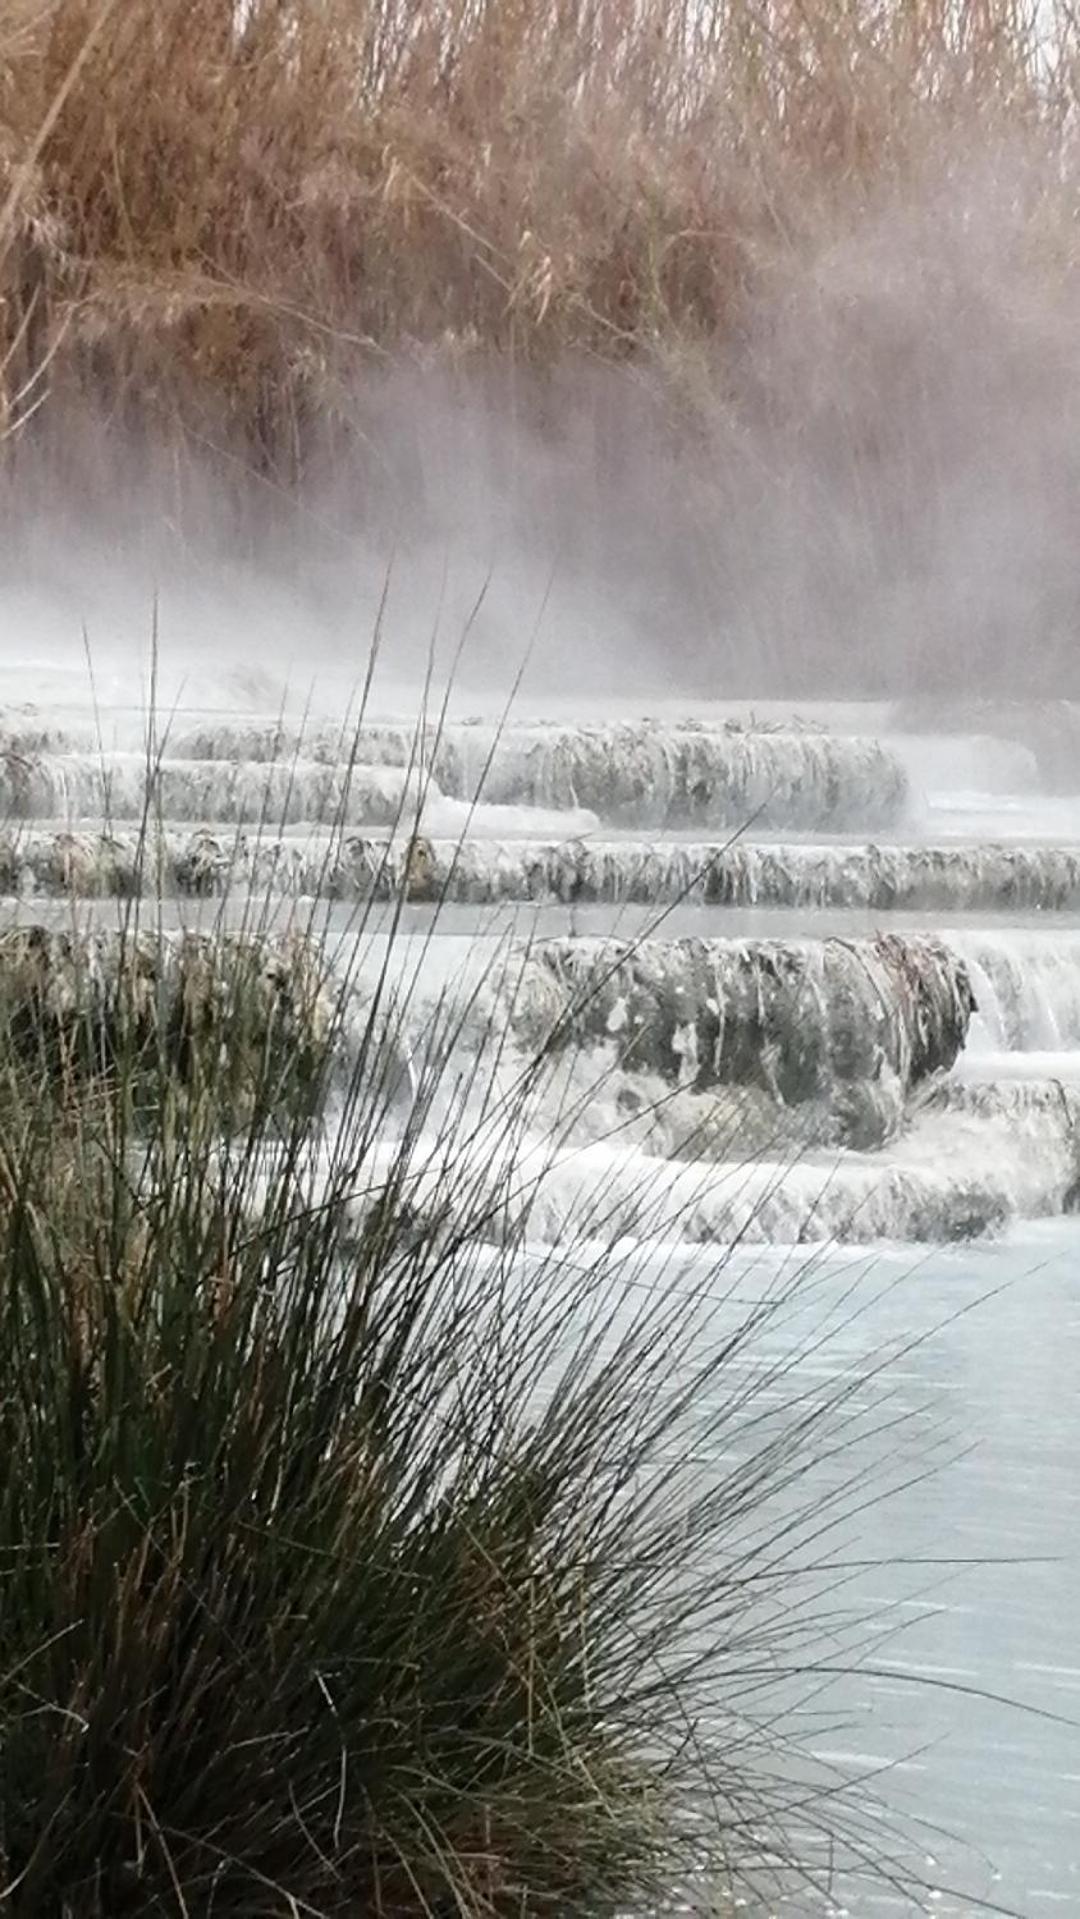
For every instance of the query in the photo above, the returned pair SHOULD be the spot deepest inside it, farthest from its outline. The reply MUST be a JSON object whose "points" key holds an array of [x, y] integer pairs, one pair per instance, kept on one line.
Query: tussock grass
{"points": [[245, 1022], [359, 1556]]}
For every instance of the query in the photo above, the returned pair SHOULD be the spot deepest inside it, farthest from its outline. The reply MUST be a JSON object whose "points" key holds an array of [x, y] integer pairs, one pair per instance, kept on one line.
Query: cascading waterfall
{"points": [[587, 870], [958, 1177], [660, 775], [643, 774], [1026, 987], [810, 1082], [646, 775], [126, 787]]}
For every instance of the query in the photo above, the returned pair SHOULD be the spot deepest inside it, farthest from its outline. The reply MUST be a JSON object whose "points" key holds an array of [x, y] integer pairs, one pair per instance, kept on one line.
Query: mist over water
{"points": [[872, 494]]}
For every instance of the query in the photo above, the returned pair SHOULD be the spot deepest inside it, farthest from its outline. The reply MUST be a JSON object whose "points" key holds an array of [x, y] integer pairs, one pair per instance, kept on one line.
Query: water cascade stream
{"points": [[836, 973]]}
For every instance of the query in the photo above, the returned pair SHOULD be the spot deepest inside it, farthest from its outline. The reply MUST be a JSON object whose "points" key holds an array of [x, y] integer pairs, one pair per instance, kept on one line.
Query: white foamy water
{"points": [[940, 764], [958, 1177], [844, 1036], [1027, 989]]}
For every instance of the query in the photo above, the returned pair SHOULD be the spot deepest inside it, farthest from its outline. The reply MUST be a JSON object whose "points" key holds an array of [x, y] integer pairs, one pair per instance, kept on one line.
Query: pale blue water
{"points": [[969, 1713]]}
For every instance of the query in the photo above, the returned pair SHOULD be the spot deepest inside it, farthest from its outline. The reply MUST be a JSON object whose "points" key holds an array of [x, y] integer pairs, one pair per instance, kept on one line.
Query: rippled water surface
{"points": [[968, 1710]]}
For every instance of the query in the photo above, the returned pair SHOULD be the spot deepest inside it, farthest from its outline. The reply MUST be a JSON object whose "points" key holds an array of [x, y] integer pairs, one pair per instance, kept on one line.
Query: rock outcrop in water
{"points": [[850, 1025], [745, 873]]}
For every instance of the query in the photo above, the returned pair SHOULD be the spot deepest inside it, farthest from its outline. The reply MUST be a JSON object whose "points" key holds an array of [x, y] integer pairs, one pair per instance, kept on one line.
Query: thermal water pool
{"points": [[967, 1718]]}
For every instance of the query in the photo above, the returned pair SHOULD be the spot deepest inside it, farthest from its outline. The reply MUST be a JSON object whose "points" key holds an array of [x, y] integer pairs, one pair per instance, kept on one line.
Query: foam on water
{"points": [[979, 1066], [955, 1176], [1048, 730]]}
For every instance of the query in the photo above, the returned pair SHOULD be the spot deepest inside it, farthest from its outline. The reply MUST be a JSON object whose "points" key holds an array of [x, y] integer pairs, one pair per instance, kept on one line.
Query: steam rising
{"points": [[872, 493]]}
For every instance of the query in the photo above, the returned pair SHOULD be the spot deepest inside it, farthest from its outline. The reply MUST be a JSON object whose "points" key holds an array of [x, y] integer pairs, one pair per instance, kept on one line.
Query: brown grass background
{"points": [[759, 316]]}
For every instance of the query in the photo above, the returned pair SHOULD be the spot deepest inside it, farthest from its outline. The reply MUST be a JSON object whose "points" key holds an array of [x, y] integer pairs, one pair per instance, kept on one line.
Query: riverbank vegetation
{"points": [[243, 208], [754, 321]]}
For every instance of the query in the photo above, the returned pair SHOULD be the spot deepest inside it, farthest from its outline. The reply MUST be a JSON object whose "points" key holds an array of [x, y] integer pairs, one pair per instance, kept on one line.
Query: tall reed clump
{"points": [[756, 318], [357, 1556], [234, 211]]}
